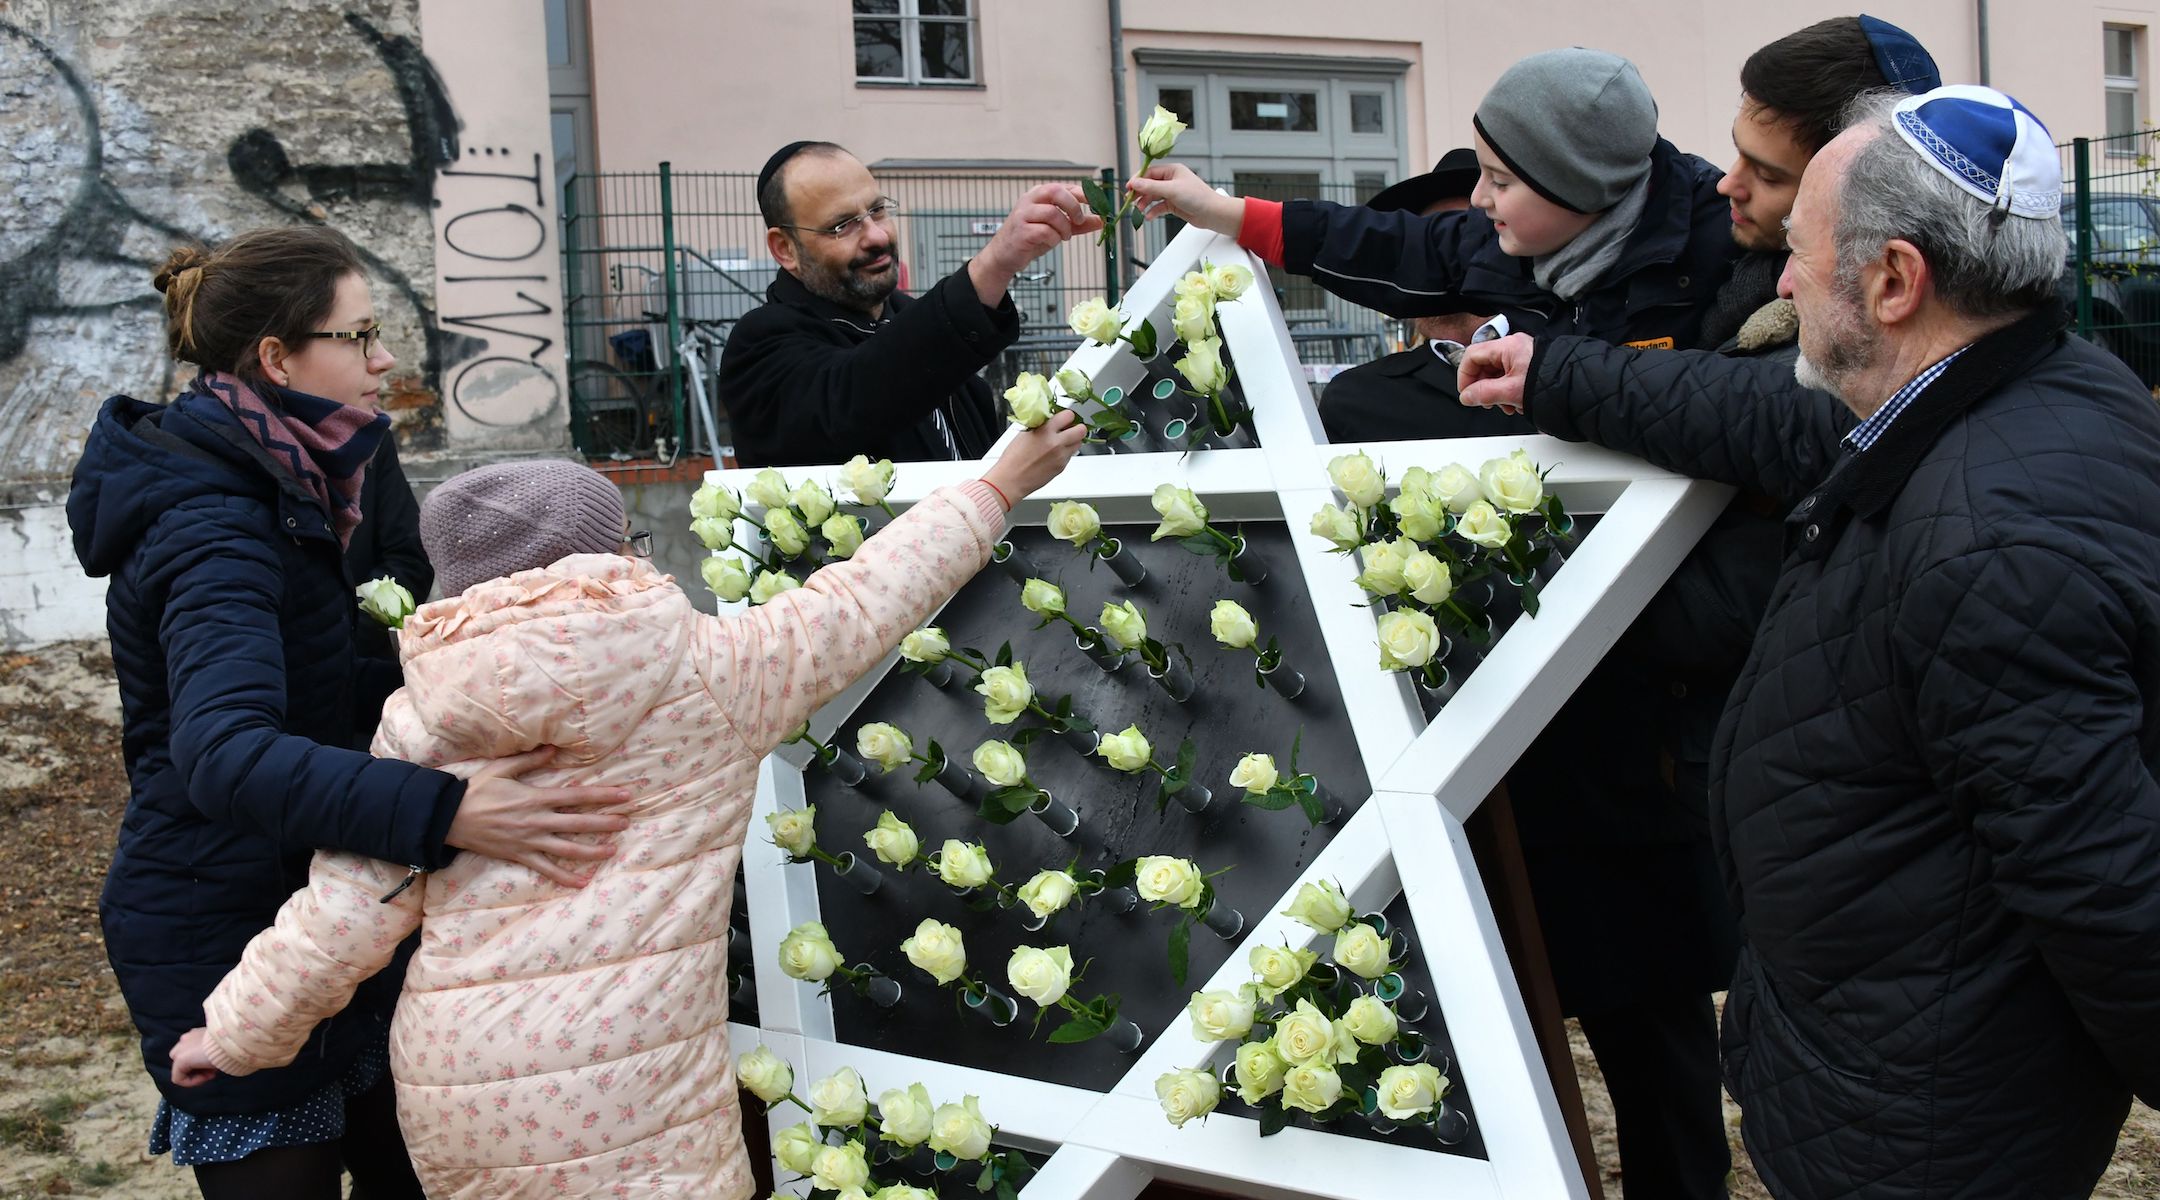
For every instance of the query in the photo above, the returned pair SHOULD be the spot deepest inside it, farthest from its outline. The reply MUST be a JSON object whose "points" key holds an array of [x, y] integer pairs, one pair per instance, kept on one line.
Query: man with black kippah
{"points": [[839, 362]]}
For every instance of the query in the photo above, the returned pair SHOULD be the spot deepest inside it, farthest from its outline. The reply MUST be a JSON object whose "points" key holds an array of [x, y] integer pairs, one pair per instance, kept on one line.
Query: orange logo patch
{"points": [[1663, 343]]}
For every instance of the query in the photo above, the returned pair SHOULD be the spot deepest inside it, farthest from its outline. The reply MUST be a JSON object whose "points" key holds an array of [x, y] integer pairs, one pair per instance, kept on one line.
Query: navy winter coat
{"points": [[1933, 790], [232, 621]]}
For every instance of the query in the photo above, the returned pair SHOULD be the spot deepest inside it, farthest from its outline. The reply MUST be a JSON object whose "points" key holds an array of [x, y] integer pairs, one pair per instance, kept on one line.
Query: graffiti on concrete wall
{"points": [[496, 230]]}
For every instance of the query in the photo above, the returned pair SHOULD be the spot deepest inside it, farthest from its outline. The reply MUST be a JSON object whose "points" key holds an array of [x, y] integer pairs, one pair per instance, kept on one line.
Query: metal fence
{"points": [[659, 266], [2112, 214]]}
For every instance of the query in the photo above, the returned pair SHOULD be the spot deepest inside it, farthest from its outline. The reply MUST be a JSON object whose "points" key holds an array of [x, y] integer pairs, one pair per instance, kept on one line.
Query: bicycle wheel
{"points": [[609, 411]]}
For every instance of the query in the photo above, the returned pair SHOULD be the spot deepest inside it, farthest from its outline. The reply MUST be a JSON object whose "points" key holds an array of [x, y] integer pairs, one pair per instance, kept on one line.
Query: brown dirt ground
{"points": [[75, 1106]]}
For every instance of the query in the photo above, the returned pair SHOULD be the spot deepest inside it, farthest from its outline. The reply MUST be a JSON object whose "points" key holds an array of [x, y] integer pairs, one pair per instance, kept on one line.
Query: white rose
{"points": [[841, 1168], [1305, 1035], [1408, 638], [1097, 321], [768, 489], [814, 501], [1360, 950], [1194, 285], [1407, 1092], [844, 532], [1280, 968], [885, 744], [1255, 773], [926, 645], [1419, 514], [1312, 1088], [892, 840], [904, 1116], [1186, 1094], [1030, 399], [937, 949], [1370, 1021], [1042, 597], [1319, 905], [1512, 484], [964, 864], [1357, 478], [1001, 763], [1259, 1071], [796, 1148], [869, 481], [1128, 751], [1203, 367], [1006, 693], [1048, 892], [786, 533], [1124, 623], [767, 1075], [1220, 1016], [1165, 879], [386, 600], [1074, 382], [839, 1099], [1383, 574], [1482, 524], [1456, 487], [794, 830], [808, 953], [959, 1130], [771, 583], [1074, 521], [1232, 625], [1040, 975], [1228, 280], [713, 533], [1159, 133], [1182, 513], [1339, 526], [1191, 320], [714, 503], [727, 578], [1427, 577]]}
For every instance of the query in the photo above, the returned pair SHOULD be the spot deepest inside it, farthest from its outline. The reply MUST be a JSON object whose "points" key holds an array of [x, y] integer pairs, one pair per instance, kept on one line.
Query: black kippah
{"points": [[778, 160]]}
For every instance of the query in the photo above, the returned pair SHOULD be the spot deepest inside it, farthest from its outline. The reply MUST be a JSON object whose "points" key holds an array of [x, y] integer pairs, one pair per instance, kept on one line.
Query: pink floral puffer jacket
{"points": [[573, 1042]]}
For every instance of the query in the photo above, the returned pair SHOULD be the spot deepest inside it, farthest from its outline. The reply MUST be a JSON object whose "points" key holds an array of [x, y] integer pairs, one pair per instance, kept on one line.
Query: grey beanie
{"points": [[1576, 125], [496, 520]]}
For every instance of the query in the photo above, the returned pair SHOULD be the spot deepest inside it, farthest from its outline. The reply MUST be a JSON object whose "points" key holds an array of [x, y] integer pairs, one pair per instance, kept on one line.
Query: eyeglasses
{"points": [[880, 214], [640, 543], [369, 338]]}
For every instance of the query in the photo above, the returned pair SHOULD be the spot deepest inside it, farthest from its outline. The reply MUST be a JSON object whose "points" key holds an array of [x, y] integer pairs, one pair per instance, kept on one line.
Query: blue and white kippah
{"points": [[1988, 144]]}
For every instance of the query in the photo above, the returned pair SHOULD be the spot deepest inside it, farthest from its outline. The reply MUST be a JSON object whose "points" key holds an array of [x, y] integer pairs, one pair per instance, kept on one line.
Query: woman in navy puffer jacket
{"points": [[221, 519]]}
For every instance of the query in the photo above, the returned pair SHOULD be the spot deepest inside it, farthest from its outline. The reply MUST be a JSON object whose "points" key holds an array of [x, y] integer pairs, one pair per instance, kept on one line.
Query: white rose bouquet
{"points": [[830, 1149]]}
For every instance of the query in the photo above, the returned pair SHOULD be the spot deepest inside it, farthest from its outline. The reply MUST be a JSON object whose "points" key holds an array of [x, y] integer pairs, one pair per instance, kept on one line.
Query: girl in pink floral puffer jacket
{"points": [[556, 1041]]}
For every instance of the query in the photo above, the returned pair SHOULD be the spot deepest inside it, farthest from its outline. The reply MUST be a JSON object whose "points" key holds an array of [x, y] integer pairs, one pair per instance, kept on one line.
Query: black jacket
{"points": [[1407, 396], [387, 542], [1932, 790], [232, 622], [1406, 265], [807, 381]]}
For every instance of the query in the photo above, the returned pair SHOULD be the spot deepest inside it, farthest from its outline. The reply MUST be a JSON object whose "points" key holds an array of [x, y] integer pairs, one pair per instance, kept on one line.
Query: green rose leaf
{"points": [[1099, 203], [1273, 1119], [1143, 339], [1180, 950]]}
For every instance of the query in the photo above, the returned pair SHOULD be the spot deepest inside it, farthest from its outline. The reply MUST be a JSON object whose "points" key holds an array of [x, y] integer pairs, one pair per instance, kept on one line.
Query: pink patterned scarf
{"points": [[324, 445]]}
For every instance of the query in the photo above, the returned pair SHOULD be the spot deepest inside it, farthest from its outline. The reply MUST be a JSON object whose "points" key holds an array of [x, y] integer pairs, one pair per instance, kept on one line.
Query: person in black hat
{"points": [[838, 361], [1411, 394]]}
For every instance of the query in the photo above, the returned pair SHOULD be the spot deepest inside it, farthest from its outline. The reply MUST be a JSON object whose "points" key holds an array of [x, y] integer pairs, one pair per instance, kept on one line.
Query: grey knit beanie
{"points": [[1576, 125], [496, 520]]}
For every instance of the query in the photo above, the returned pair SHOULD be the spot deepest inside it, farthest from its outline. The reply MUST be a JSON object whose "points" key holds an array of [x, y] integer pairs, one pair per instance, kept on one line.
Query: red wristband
{"points": [[1002, 497]]}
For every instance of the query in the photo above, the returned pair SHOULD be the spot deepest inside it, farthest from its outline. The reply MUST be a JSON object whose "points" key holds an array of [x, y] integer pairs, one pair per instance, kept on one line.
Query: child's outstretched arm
{"points": [[773, 666], [328, 939]]}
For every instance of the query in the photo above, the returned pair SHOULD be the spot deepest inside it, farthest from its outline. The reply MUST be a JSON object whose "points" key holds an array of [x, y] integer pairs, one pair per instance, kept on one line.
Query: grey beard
{"points": [[1811, 376], [846, 288]]}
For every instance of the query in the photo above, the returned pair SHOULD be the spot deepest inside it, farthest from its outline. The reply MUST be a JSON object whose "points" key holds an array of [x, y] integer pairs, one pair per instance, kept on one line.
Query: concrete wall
{"points": [[716, 87]]}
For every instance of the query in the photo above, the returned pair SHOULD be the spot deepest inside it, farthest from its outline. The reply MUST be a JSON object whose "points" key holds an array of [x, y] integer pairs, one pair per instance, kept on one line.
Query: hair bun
{"points": [[182, 260]]}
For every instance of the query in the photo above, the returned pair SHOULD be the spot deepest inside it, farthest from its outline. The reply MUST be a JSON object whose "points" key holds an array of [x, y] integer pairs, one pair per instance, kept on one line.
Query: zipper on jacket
{"points": [[412, 874]]}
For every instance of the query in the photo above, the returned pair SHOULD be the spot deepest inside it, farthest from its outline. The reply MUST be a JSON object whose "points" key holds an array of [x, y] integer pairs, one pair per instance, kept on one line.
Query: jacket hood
{"points": [[571, 655], [132, 472]]}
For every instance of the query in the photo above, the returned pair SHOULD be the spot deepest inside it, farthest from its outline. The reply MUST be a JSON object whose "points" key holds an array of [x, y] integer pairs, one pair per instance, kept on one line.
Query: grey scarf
{"points": [[1575, 268]]}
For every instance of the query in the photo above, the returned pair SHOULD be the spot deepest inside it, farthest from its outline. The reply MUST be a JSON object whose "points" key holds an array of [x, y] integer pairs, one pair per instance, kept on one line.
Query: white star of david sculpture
{"points": [[1405, 842]]}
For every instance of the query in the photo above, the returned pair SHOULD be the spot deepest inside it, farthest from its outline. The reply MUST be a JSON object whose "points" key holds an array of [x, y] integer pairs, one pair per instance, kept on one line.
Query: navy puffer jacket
{"points": [[232, 624]]}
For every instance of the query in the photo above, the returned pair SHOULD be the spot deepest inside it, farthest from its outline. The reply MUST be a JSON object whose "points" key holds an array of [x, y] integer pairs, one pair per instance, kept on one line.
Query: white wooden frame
{"points": [[1428, 780]]}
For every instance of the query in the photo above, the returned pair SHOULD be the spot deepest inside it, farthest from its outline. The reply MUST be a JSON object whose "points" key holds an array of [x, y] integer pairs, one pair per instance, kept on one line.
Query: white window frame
{"points": [[2131, 84], [911, 19]]}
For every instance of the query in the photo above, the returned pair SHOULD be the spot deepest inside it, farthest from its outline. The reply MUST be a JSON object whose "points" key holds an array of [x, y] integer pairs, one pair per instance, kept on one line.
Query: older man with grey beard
{"points": [[1932, 791]]}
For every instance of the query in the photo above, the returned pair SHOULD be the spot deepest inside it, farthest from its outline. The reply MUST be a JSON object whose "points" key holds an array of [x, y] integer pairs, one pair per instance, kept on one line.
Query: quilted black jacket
{"points": [[1932, 790]]}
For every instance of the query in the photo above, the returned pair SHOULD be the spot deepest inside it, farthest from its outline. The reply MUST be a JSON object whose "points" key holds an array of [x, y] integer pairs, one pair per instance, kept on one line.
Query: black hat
{"points": [[778, 160], [1452, 177]]}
